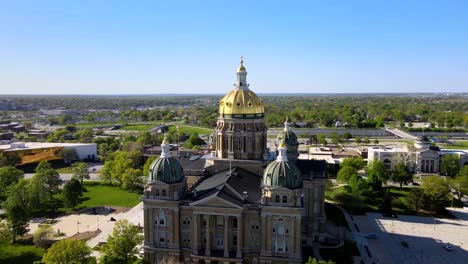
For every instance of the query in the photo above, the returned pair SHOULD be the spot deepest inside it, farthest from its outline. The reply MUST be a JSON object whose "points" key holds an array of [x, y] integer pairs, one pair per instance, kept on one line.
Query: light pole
{"points": [[77, 227]]}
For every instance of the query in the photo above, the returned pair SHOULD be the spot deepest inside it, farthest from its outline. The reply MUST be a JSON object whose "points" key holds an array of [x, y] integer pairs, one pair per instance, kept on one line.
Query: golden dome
{"points": [[241, 102]]}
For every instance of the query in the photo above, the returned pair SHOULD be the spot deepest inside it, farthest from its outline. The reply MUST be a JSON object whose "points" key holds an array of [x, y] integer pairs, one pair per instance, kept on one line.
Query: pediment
{"points": [[215, 201]]}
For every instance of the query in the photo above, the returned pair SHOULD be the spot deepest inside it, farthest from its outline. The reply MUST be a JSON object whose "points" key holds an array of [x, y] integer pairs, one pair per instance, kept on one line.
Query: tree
{"points": [[345, 173], [449, 165], [367, 141], [322, 139], [415, 198], [436, 191], [69, 155], [68, 251], [71, 193], [8, 177], [357, 184], [84, 135], [6, 160], [377, 168], [17, 207], [401, 174], [335, 137], [376, 141], [460, 183], [147, 165], [315, 261], [121, 245], [5, 232], [357, 163], [132, 178], [80, 171], [48, 176], [358, 140], [42, 237], [347, 136]]}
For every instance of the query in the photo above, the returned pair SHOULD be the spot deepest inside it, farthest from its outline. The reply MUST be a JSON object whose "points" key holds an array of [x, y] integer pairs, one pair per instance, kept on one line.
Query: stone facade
{"points": [[229, 215]]}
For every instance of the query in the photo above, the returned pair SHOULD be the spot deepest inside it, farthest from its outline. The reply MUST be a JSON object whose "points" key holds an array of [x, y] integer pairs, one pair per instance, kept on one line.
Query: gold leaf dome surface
{"points": [[241, 102]]}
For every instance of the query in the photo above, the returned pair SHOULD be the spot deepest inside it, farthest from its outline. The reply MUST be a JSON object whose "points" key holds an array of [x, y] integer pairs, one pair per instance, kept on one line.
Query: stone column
{"points": [[263, 233], [195, 233], [226, 237], [297, 236], [208, 237], [239, 237], [176, 224], [268, 235]]}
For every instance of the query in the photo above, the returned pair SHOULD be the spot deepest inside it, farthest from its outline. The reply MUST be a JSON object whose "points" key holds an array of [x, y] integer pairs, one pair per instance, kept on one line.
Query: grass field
{"points": [[99, 194], [191, 129], [139, 127], [20, 254], [455, 145]]}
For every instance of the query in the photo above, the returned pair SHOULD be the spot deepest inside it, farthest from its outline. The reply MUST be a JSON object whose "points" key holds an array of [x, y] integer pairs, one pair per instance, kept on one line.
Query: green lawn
{"points": [[99, 194], [455, 145], [19, 254], [191, 129]]}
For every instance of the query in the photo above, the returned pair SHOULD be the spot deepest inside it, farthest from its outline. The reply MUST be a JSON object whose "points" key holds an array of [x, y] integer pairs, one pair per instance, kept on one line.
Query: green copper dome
{"points": [[287, 135], [166, 168], [282, 172]]}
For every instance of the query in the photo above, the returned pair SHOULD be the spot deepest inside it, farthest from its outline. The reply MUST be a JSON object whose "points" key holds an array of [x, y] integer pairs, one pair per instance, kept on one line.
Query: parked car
{"points": [[447, 247], [371, 235], [404, 243]]}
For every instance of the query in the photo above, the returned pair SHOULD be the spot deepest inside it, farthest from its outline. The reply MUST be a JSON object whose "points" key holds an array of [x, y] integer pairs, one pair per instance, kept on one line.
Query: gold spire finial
{"points": [[165, 141], [241, 68], [282, 143]]}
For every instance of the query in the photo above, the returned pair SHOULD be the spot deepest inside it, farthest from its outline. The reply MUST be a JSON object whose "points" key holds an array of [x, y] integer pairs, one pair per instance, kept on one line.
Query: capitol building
{"points": [[252, 205]]}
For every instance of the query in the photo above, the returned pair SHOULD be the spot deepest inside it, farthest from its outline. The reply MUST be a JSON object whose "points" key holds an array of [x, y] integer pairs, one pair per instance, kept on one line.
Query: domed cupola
{"points": [[287, 135], [241, 102], [166, 168], [282, 172]]}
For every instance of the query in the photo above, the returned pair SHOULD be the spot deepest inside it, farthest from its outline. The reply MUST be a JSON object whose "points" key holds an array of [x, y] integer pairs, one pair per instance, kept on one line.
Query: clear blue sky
{"points": [[150, 47]]}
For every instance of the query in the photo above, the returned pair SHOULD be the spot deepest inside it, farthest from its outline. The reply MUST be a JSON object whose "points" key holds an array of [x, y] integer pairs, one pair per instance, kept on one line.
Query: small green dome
{"points": [[289, 138], [282, 173], [167, 170]]}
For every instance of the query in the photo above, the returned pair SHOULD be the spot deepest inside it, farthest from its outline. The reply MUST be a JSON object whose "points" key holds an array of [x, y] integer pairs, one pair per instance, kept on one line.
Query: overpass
{"points": [[402, 134]]}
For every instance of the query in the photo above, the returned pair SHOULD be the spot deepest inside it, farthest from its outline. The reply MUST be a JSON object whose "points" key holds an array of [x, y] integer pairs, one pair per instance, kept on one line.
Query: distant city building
{"points": [[235, 205], [423, 158], [33, 152]]}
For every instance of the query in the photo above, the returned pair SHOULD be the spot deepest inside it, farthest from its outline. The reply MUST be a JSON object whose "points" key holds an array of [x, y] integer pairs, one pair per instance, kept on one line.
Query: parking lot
{"points": [[425, 237]]}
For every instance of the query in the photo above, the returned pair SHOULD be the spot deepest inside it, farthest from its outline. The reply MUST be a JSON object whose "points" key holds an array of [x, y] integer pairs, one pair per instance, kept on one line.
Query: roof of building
{"points": [[230, 185], [38, 145]]}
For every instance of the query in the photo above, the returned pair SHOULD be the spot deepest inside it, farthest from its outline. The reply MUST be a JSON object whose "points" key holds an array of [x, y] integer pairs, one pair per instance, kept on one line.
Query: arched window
{"points": [[156, 192], [277, 198], [163, 193], [285, 199], [161, 221]]}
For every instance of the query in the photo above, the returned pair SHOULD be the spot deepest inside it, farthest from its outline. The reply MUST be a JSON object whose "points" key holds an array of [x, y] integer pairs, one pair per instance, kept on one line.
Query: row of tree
{"points": [[23, 198]]}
